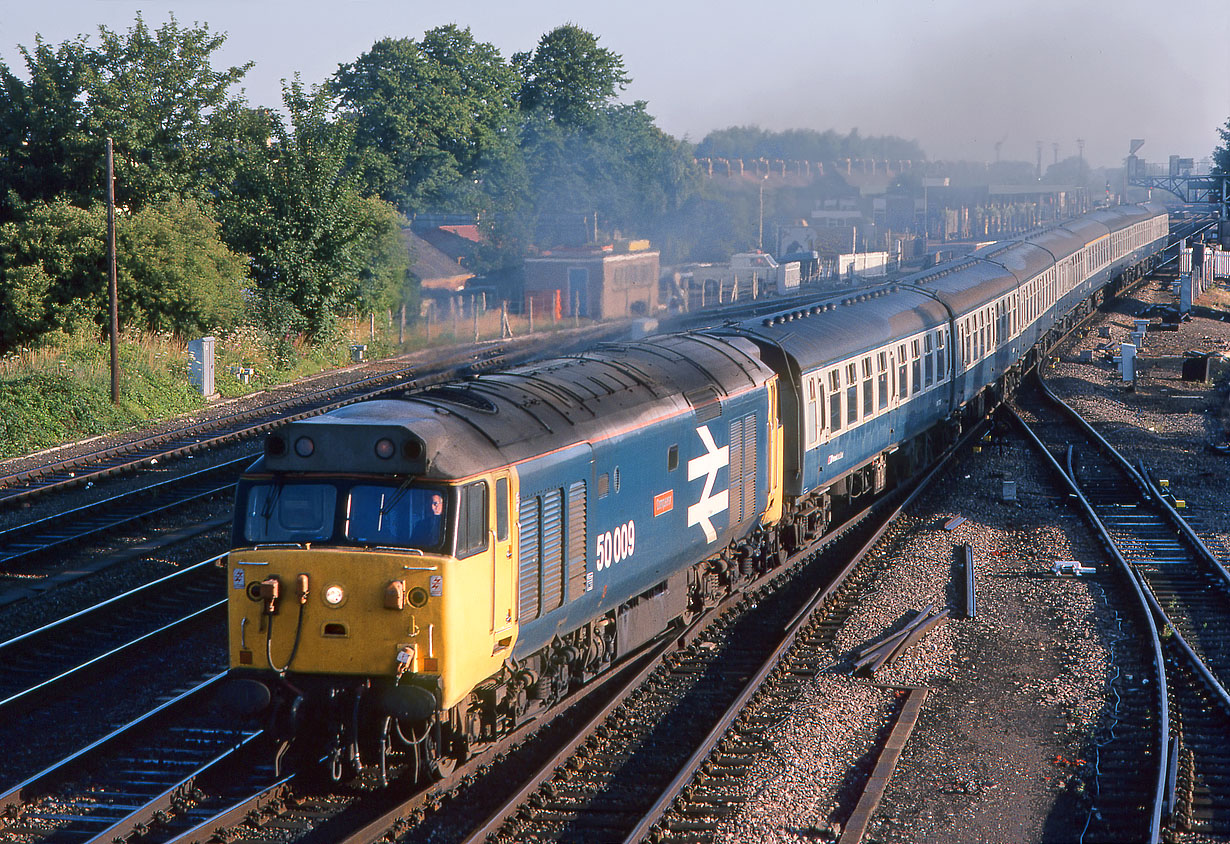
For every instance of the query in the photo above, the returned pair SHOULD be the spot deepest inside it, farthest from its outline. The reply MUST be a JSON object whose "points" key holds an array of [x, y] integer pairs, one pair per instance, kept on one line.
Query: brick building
{"points": [[598, 282]]}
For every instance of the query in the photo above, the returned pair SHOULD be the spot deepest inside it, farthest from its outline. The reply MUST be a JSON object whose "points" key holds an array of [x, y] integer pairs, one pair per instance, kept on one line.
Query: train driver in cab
{"points": [[429, 529]]}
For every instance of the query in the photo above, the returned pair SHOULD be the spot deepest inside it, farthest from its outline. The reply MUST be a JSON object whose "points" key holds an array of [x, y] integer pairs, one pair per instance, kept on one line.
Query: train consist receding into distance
{"points": [[433, 570]]}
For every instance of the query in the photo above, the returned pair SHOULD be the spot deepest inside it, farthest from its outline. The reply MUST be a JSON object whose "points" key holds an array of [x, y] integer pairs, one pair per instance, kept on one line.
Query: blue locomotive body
{"points": [[590, 502]]}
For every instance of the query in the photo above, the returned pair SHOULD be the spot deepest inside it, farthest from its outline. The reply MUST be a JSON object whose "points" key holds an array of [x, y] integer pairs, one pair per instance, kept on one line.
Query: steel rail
{"points": [[1155, 820], [90, 520], [163, 801], [56, 631], [1145, 487], [792, 630], [36, 785], [113, 653], [656, 653]]}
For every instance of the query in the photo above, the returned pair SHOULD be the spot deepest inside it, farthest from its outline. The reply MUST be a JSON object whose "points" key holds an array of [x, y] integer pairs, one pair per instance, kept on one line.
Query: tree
{"points": [[297, 211], [1221, 155], [51, 262], [152, 92], [569, 77], [45, 150], [804, 145], [173, 272], [428, 117]]}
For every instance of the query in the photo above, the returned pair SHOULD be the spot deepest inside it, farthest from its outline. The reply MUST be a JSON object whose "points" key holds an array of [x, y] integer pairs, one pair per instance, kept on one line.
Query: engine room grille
{"points": [[742, 503], [577, 542]]}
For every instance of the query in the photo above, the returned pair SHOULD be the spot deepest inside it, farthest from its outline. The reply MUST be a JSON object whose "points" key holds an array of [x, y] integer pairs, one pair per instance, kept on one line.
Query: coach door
{"points": [[504, 573], [894, 398]]}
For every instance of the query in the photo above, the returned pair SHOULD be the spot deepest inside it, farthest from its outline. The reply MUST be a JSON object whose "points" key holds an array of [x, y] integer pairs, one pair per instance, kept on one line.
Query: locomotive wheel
{"points": [[442, 767]]}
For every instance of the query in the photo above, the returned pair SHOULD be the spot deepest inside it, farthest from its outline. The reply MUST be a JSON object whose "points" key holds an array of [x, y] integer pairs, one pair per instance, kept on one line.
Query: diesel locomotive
{"points": [[431, 570]]}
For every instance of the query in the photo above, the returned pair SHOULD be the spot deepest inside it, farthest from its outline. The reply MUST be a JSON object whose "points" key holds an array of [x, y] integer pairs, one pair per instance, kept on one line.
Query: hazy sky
{"points": [[959, 76]]}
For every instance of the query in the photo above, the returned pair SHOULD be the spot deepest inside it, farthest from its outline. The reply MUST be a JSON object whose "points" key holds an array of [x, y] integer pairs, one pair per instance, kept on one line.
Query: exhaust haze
{"points": [[959, 76]]}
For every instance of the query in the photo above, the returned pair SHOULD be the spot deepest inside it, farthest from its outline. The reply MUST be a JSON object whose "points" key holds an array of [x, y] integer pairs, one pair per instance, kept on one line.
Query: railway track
{"points": [[188, 439], [627, 772], [451, 808], [303, 401], [174, 767], [31, 542], [1186, 589], [39, 663]]}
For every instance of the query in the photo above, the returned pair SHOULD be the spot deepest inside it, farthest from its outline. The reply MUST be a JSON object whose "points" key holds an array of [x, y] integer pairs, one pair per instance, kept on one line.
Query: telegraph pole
{"points": [[113, 286]]}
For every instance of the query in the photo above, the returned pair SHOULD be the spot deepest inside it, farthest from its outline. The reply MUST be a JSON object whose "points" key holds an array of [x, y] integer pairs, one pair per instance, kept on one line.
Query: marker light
{"points": [[334, 595], [304, 446], [385, 448]]}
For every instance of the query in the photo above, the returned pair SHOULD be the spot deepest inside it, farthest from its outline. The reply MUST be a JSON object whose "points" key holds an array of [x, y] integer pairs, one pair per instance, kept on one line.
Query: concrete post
{"points": [[1127, 361]]}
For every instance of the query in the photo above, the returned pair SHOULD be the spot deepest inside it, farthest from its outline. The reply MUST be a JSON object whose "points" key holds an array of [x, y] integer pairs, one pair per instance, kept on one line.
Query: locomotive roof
{"points": [[466, 427]]}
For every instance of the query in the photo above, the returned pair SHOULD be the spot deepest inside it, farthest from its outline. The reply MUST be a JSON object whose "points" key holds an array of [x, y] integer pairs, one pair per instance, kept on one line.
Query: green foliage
{"points": [[152, 92], [313, 238], [384, 281], [619, 165], [428, 116], [45, 150], [569, 77], [69, 396], [173, 272], [1221, 155], [52, 271]]}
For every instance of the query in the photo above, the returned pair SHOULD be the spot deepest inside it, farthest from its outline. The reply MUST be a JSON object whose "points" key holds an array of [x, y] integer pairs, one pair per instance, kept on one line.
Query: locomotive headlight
{"points": [[334, 595], [304, 446], [385, 448]]}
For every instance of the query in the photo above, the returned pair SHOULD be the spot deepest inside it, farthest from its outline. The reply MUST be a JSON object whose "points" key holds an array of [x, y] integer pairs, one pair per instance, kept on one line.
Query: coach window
{"points": [[941, 358], [835, 400], [882, 378], [869, 396], [916, 366], [851, 394], [928, 363], [472, 522], [903, 373]]}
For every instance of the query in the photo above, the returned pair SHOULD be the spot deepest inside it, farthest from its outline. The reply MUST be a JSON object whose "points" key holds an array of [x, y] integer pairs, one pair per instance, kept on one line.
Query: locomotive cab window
{"points": [[410, 516], [280, 512], [501, 509], [472, 520]]}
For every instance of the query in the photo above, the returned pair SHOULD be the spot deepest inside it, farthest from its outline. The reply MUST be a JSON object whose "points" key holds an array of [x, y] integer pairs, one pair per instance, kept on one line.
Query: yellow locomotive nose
{"points": [[370, 616]]}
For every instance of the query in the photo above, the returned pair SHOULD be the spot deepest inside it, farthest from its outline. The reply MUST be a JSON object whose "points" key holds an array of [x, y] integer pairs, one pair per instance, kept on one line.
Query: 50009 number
{"points": [[615, 545]]}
